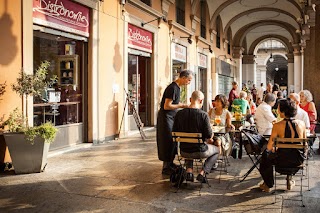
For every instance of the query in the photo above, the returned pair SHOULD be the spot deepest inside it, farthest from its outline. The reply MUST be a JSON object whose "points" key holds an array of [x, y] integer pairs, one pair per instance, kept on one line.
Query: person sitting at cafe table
{"points": [[301, 114], [286, 128], [194, 120], [243, 103], [220, 109], [264, 117]]}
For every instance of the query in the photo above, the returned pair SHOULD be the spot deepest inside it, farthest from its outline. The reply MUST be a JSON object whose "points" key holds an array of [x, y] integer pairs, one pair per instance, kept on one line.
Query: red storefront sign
{"points": [[139, 39], [63, 15]]}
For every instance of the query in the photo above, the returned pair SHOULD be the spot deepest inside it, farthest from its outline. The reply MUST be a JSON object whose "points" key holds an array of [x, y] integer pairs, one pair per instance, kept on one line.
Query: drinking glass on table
{"points": [[217, 120]]}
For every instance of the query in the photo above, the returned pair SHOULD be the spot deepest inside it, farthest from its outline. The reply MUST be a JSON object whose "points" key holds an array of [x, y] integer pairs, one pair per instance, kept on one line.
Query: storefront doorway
{"points": [[202, 86], [139, 87]]}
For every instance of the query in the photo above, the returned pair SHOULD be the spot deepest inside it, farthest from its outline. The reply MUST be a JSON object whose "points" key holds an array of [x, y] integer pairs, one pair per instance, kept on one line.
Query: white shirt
{"points": [[260, 91], [264, 118], [303, 115]]}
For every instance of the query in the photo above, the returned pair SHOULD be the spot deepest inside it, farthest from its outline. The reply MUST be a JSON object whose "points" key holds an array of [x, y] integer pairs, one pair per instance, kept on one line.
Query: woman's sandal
{"points": [[264, 187]]}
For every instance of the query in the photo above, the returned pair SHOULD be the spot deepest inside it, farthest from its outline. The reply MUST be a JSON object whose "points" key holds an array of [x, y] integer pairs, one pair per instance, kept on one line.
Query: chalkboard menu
{"points": [[225, 84]]}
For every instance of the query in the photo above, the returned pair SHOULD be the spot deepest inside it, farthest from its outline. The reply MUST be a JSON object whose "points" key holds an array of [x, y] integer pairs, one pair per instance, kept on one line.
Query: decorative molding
{"points": [[165, 5], [180, 27], [205, 41], [312, 17], [145, 8], [194, 22], [212, 34]]}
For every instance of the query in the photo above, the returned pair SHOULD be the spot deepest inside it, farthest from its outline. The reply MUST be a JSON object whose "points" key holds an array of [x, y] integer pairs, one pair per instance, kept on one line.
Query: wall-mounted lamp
{"points": [[189, 39], [210, 50], [159, 18]]}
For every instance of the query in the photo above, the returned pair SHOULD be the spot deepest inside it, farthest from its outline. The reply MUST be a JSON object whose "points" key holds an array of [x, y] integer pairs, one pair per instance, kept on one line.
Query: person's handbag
{"points": [[254, 142]]}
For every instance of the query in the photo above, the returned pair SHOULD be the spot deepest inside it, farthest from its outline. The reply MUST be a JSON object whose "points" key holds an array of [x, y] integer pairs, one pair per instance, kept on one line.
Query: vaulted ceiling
{"points": [[252, 21]]}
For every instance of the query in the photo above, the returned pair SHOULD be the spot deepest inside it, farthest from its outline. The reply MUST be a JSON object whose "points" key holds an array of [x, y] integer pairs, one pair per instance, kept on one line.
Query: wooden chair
{"points": [[292, 143], [184, 137]]}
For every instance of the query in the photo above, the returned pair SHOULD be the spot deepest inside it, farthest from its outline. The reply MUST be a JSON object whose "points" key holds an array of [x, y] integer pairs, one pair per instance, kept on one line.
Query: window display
{"points": [[62, 102]]}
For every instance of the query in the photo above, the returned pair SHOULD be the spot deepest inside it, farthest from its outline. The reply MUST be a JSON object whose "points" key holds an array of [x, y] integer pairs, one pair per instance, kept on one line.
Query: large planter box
{"points": [[27, 157]]}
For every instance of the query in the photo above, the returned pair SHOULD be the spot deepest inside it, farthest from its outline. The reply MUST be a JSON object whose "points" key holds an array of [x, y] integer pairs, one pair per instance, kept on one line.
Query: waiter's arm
{"points": [[169, 106]]}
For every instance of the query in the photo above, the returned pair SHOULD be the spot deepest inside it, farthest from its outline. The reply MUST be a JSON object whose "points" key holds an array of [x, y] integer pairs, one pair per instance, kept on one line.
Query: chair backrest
{"points": [[186, 137], [291, 143]]}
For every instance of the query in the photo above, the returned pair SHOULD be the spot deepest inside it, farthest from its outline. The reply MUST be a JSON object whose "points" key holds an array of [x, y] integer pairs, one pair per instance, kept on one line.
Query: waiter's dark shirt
{"points": [[171, 92], [193, 121], [232, 95]]}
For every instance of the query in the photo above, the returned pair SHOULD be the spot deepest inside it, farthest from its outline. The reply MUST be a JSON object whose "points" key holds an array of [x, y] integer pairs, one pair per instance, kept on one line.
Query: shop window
{"points": [[147, 2], [180, 12], [203, 28], [60, 103], [218, 32]]}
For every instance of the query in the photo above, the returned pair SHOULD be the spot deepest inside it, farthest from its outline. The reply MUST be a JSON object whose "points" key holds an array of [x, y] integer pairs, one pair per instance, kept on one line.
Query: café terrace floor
{"points": [[125, 176]]}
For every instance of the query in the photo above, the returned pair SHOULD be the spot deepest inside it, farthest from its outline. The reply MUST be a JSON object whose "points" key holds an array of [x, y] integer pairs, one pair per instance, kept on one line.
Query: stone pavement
{"points": [[125, 176]]}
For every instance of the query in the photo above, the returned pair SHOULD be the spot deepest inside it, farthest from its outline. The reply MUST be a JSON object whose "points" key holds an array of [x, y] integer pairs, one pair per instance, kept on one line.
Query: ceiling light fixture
{"points": [[271, 59]]}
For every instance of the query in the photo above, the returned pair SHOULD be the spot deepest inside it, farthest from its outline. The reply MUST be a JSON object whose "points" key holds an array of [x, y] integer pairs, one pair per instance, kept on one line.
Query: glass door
{"points": [[139, 86]]}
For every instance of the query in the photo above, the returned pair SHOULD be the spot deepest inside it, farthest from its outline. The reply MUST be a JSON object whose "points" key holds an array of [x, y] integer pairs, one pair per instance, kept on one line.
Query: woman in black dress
{"points": [[170, 103]]}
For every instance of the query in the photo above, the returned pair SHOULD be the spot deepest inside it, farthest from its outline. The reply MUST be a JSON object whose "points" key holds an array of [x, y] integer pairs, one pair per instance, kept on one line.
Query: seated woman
{"points": [[308, 105], [287, 128], [220, 109]]}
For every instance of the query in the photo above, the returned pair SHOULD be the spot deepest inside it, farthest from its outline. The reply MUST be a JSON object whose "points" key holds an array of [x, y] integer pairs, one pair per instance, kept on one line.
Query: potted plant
{"points": [[29, 146], [3, 145], [237, 112]]}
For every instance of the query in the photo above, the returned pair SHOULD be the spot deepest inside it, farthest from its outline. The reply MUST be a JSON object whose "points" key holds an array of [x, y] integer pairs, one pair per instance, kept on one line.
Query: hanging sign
{"points": [[63, 15], [202, 59], [139, 39], [179, 53]]}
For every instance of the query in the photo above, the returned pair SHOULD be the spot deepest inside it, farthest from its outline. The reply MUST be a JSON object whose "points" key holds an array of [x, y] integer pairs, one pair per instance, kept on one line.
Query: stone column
{"points": [[248, 69], [261, 75], [237, 55], [290, 70], [297, 71], [302, 68]]}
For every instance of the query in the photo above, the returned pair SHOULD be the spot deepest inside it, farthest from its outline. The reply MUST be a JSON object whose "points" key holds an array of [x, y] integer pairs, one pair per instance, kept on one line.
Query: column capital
{"points": [[290, 57], [237, 52], [248, 59]]}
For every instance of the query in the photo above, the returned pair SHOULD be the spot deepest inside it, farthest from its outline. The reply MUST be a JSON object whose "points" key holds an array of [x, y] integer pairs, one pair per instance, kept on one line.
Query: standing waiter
{"points": [[168, 108]]}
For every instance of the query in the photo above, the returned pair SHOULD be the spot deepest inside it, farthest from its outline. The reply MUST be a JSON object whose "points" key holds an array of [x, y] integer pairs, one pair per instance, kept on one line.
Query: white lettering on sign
{"points": [[137, 37], [58, 11]]}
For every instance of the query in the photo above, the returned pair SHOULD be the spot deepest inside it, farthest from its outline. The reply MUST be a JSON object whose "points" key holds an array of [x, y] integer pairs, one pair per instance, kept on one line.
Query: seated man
{"points": [[195, 120], [264, 116], [243, 103]]}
